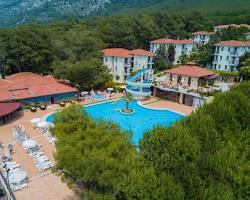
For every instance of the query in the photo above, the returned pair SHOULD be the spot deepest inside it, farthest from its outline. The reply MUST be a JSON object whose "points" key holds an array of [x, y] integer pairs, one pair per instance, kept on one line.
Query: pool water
{"points": [[99, 97], [144, 119]]}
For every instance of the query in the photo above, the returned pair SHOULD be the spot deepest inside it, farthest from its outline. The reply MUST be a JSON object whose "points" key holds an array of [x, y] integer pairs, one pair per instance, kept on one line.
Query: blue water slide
{"points": [[141, 87]]}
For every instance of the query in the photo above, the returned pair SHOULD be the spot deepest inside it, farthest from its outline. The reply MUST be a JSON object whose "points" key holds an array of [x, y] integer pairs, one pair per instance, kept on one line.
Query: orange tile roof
{"points": [[203, 33], [141, 52], [191, 71], [8, 108], [120, 52], [27, 85], [232, 25], [172, 41], [117, 52], [233, 43]]}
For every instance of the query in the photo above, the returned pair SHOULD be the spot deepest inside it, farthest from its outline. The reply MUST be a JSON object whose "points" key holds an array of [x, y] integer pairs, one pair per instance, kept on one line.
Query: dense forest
{"points": [[16, 12], [204, 156], [72, 49]]}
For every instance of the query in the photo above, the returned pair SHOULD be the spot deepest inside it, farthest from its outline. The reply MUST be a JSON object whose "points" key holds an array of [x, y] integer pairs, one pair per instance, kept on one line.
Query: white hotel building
{"points": [[122, 62], [202, 36], [181, 46], [227, 54], [221, 27]]}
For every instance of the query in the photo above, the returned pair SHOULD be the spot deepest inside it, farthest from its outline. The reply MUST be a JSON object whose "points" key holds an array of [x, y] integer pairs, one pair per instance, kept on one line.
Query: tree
{"points": [[203, 55], [27, 48], [171, 54], [88, 74], [91, 153], [161, 60], [128, 98], [244, 66]]}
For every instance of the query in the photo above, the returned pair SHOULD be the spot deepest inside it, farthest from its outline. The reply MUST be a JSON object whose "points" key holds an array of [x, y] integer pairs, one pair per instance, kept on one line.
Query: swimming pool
{"points": [[144, 119], [100, 97]]}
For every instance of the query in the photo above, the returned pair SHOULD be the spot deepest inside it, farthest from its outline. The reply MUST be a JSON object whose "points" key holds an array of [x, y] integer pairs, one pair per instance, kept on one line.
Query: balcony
{"points": [[127, 64], [185, 89], [234, 54]]}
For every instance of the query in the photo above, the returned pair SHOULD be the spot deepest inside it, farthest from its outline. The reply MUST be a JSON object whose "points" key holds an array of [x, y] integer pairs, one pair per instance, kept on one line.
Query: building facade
{"points": [[122, 62], [184, 84], [227, 54], [181, 47], [221, 27], [28, 88], [202, 36]]}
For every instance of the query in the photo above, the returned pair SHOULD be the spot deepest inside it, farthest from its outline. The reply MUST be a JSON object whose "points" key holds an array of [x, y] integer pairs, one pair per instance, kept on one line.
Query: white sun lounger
{"points": [[13, 167]]}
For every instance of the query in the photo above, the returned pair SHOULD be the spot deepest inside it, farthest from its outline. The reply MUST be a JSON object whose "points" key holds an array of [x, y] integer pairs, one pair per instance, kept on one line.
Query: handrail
{"points": [[9, 193]]}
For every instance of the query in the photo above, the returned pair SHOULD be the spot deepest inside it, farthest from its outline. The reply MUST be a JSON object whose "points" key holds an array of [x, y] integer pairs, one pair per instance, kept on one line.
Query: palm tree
{"points": [[128, 98]]}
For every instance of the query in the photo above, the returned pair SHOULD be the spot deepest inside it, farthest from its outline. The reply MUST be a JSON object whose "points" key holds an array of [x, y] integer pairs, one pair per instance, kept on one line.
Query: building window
{"points": [[215, 66], [115, 59], [227, 58], [229, 49], [116, 68], [220, 57], [222, 48], [225, 66], [106, 59], [219, 66]]}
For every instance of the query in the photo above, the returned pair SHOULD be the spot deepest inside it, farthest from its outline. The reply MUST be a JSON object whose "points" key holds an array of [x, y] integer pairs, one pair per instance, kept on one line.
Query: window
{"points": [[227, 58], [222, 48], [116, 68], [225, 66], [229, 49], [115, 59], [220, 57], [219, 66], [106, 59], [215, 66]]}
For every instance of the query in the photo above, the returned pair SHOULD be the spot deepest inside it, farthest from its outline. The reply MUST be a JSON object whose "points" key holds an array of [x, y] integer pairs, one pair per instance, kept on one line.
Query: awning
{"points": [[8, 108]]}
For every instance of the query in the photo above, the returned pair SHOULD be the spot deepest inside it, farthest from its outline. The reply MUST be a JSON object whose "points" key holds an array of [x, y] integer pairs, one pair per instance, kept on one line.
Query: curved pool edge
{"points": [[166, 109], [112, 100]]}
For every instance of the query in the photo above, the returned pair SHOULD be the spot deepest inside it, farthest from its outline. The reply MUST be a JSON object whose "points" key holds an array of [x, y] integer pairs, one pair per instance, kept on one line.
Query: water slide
{"points": [[139, 84]]}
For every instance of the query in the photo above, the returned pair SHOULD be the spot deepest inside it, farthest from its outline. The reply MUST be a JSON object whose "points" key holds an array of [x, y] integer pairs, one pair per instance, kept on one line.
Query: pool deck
{"points": [[157, 103], [46, 185]]}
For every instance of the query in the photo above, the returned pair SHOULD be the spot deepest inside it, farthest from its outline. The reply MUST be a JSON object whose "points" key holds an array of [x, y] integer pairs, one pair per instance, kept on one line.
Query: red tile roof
{"points": [[191, 71], [116, 52], [232, 25], [7, 108], [203, 33], [27, 85], [172, 41], [233, 43], [141, 52], [120, 52]]}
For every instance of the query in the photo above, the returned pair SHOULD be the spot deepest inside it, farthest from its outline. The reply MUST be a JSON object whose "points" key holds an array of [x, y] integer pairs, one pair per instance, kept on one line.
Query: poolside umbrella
{"points": [[123, 87], [35, 121], [110, 89], [17, 177], [84, 93], [42, 124], [29, 144]]}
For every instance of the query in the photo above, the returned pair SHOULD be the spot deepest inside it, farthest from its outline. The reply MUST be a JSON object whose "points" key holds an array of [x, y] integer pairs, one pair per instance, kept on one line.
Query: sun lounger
{"points": [[13, 167], [18, 187]]}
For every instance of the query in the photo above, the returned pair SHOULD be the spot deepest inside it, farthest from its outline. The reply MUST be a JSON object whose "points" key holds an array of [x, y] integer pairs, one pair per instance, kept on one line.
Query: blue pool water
{"points": [[99, 97], [142, 120]]}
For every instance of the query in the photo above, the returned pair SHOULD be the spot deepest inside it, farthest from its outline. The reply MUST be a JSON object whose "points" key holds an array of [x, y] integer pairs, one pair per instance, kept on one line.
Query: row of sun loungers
{"points": [[41, 161], [17, 179]]}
